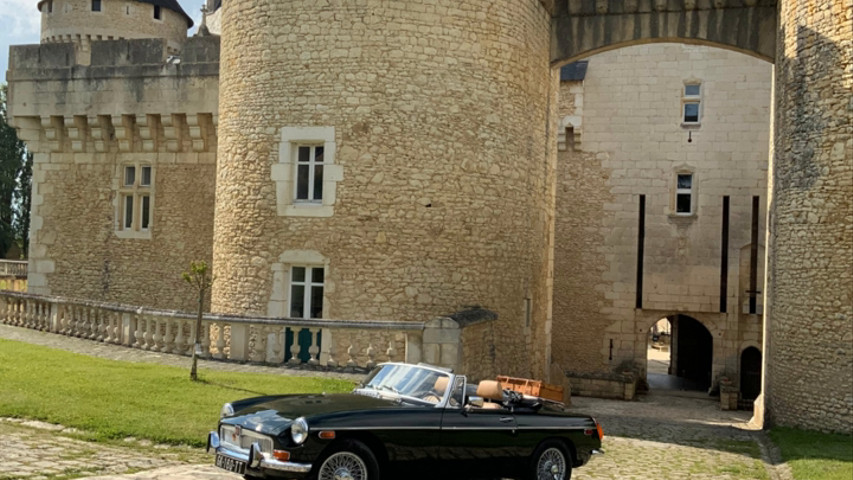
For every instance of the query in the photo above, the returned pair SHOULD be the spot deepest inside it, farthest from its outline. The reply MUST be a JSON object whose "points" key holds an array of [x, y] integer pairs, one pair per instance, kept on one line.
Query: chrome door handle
{"points": [[506, 419]]}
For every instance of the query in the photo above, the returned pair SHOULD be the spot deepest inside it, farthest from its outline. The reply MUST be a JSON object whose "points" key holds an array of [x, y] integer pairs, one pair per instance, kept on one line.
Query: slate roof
{"points": [[574, 72], [170, 4]]}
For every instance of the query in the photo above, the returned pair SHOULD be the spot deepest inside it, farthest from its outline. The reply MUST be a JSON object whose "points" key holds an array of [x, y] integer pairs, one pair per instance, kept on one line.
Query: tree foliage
{"points": [[15, 185]]}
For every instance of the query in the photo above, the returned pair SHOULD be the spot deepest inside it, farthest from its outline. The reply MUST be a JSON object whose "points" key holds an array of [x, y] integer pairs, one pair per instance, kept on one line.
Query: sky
{"points": [[20, 24]]}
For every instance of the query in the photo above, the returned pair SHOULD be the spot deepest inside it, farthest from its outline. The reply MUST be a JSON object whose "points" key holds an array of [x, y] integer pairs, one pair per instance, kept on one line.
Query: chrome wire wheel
{"points": [[343, 466], [551, 465]]}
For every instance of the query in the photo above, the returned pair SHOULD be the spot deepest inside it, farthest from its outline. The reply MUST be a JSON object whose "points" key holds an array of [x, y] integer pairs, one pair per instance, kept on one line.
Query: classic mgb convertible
{"points": [[405, 421]]}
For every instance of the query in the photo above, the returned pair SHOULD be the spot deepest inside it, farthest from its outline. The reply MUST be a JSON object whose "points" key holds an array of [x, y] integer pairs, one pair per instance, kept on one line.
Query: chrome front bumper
{"points": [[255, 459]]}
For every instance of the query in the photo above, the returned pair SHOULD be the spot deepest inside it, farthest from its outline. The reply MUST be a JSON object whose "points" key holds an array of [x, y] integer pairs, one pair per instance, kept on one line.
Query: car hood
{"points": [[274, 416]]}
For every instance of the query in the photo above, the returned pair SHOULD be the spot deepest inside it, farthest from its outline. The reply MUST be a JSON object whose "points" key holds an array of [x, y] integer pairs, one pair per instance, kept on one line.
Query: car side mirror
{"points": [[476, 402]]}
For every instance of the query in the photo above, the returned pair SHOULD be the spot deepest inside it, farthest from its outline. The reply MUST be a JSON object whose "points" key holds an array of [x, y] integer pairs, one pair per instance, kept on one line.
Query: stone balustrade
{"points": [[316, 342], [13, 268]]}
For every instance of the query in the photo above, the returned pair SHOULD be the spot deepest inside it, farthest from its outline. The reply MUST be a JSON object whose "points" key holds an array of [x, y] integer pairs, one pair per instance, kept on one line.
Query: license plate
{"points": [[230, 464]]}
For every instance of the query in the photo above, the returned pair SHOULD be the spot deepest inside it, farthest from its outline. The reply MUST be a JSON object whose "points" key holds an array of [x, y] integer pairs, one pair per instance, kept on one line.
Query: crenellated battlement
{"points": [[130, 97], [199, 56]]}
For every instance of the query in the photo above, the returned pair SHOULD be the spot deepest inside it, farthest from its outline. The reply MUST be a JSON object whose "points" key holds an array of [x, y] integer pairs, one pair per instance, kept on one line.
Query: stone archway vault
{"points": [[585, 27]]}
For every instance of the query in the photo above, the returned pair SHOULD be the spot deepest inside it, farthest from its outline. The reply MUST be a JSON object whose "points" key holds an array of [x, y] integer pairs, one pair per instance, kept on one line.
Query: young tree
{"points": [[14, 162], [198, 277]]}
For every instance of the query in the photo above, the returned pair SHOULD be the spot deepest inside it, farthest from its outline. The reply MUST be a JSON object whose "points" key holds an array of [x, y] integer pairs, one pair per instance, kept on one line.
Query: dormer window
{"points": [[158, 14], [96, 5]]}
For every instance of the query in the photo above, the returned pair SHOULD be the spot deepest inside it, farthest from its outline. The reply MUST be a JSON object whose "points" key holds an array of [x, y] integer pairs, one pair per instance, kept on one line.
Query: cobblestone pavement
{"points": [[671, 435]]}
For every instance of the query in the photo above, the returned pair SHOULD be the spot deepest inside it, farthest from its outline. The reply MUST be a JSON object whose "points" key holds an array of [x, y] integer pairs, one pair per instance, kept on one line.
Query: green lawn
{"points": [[815, 456], [109, 400]]}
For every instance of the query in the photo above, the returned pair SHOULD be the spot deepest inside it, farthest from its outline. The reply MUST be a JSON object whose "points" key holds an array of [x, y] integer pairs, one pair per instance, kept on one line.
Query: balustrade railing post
{"points": [[329, 356], [220, 341], [278, 336], [314, 349], [295, 348], [371, 362], [168, 338], [180, 347], [204, 338]]}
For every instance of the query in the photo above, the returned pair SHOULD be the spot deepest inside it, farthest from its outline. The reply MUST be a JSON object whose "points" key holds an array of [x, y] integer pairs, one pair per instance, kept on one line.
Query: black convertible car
{"points": [[403, 422]]}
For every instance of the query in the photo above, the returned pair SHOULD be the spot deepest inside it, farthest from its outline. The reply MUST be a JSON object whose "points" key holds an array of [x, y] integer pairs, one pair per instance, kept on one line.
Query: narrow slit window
{"points": [[157, 12]]}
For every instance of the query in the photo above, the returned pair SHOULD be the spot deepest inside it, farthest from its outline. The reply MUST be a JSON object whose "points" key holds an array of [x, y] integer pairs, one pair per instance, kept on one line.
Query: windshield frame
{"points": [[366, 387]]}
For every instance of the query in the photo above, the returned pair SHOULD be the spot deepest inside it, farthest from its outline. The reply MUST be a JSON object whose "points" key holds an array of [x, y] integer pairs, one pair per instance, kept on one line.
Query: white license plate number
{"points": [[230, 464]]}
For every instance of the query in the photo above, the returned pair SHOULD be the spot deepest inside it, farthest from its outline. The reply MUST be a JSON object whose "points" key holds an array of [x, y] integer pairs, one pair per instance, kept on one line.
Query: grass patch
{"points": [[814, 455], [109, 400]]}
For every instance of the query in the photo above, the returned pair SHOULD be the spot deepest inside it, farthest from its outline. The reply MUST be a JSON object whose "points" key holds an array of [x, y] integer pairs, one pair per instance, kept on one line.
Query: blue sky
{"points": [[20, 23]]}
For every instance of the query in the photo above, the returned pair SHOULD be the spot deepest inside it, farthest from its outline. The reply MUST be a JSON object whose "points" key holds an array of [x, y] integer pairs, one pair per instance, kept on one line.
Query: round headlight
{"points": [[227, 411], [299, 431]]}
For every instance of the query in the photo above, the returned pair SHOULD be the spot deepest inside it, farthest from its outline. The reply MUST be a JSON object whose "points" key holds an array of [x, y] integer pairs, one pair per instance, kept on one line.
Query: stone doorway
{"points": [[679, 355], [750, 377]]}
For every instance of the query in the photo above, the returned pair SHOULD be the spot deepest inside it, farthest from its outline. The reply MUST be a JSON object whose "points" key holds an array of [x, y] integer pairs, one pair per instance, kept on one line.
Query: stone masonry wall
{"points": [[633, 143], [809, 377], [74, 21], [84, 124], [443, 198]]}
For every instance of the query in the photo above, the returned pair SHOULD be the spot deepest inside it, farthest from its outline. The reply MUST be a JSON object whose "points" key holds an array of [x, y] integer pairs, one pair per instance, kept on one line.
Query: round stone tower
{"points": [[84, 21], [400, 145], [808, 380]]}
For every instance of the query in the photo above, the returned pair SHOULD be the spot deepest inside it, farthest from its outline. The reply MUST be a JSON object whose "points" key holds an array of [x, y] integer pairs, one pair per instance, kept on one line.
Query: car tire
{"points": [[550, 461], [351, 456]]}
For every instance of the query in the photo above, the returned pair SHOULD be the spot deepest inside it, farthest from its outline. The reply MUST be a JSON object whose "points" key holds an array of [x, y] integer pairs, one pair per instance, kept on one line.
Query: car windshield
{"points": [[412, 381]]}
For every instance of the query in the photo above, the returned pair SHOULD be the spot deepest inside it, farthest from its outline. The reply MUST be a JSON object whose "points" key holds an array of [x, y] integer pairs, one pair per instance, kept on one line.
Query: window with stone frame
{"points": [[158, 14], [308, 185], [306, 291], [306, 176], [96, 5], [684, 194], [135, 198], [691, 103]]}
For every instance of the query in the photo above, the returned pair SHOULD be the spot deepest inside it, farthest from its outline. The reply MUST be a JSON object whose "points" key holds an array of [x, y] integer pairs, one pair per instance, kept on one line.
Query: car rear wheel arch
{"points": [[566, 447]]}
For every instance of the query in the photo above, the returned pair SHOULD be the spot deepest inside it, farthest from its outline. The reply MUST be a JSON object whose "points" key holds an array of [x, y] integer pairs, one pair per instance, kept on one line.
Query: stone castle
{"points": [[405, 160]]}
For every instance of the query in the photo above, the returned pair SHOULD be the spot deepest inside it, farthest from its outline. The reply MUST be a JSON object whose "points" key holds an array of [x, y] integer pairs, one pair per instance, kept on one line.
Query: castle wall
{"points": [[627, 140], [436, 113], [85, 124], [74, 21], [809, 378]]}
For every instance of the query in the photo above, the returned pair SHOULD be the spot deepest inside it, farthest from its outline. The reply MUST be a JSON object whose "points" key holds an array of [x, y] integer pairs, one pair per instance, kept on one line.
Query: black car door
{"points": [[477, 442]]}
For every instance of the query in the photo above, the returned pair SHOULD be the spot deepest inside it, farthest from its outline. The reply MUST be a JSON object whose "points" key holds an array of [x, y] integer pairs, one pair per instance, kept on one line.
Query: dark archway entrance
{"points": [[750, 377], [692, 352], [680, 355]]}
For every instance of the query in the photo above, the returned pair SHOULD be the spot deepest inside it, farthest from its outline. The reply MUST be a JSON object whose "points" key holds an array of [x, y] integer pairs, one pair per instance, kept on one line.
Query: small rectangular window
{"points": [[157, 13], [691, 101], [128, 212], [145, 181], [309, 173], [306, 292], [145, 218], [96, 5], [129, 176], [691, 112], [135, 191], [49, 6], [684, 194]]}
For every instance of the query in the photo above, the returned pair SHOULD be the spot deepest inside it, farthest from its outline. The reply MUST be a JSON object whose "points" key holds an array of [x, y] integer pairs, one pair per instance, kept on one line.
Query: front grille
{"points": [[231, 440]]}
